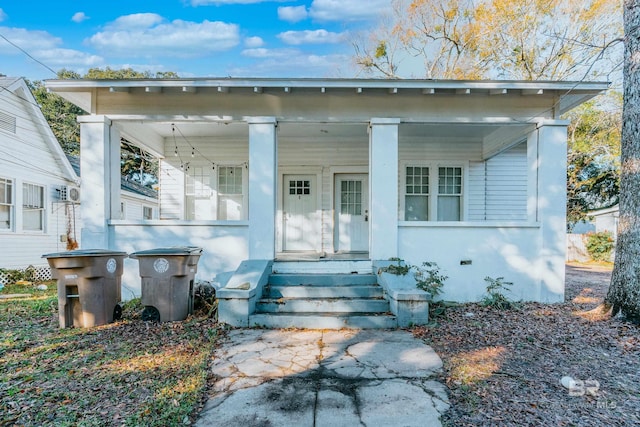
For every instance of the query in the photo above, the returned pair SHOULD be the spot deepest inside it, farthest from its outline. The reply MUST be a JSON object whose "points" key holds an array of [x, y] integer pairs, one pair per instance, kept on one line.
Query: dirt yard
{"points": [[503, 367]]}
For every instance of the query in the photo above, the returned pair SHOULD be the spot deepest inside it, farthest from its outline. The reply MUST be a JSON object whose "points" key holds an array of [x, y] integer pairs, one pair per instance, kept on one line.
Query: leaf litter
{"points": [[127, 373], [503, 367]]}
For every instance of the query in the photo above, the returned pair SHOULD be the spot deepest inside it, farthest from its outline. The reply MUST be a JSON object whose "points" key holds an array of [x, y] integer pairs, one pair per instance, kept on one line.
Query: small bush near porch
{"points": [[126, 373]]}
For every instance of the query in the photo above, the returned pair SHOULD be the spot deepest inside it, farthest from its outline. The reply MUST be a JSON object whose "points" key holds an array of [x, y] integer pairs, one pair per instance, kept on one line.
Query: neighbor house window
{"points": [[32, 207], [433, 193], [6, 204], [147, 212]]}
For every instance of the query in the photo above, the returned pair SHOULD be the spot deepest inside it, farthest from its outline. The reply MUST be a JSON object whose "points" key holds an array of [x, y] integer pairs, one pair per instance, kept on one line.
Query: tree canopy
{"points": [[62, 115], [506, 39]]}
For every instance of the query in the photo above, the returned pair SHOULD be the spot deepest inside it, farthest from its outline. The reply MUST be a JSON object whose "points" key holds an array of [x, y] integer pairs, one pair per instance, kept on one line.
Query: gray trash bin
{"points": [[167, 276], [89, 286]]}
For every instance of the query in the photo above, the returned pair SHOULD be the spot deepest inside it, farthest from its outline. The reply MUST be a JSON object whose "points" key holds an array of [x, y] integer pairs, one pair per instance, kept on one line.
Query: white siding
{"points": [[208, 151], [26, 157], [506, 190], [476, 191], [498, 187]]}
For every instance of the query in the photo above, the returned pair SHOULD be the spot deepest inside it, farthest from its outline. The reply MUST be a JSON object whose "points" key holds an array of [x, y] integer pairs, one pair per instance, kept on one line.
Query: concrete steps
{"points": [[323, 301]]}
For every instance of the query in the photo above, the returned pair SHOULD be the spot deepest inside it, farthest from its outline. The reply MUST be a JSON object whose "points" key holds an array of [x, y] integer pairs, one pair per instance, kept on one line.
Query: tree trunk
{"points": [[624, 292]]}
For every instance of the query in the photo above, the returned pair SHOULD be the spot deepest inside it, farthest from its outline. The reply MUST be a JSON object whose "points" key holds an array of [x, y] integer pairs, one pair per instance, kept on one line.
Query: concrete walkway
{"points": [[324, 378]]}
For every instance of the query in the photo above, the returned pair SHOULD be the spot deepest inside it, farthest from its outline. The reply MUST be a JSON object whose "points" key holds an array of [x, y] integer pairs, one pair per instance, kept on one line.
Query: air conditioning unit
{"points": [[70, 193]]}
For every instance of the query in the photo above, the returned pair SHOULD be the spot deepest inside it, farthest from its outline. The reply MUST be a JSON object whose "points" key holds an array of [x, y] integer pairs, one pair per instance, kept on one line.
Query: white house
{"points": [[606, 219], [468, 174], [37, 183], [137, 201]]}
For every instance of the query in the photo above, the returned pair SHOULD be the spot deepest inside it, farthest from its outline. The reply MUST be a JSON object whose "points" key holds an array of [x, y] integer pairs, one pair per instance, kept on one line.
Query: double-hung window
{"points": [[216, 194], [433, 193], [416, 199], [33, 212], [449, 193], [6, 204], [230, 193]]}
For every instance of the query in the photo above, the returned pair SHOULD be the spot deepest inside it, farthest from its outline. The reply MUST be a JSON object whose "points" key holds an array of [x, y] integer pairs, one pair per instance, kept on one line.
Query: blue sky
{"points": [[195, 38]]}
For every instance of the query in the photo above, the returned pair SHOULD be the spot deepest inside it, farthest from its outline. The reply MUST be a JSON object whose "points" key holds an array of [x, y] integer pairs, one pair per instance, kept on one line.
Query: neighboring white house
{"points": [[468, 174], [138, 202], [606, 219], [38, 212]]}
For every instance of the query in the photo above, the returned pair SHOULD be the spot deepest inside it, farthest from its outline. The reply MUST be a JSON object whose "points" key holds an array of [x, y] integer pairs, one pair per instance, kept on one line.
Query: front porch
{"points": [[470, 175]]}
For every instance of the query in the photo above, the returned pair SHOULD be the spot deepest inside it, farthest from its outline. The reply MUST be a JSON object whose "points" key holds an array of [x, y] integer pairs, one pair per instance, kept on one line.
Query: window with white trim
{"points": [[449, 193], [433, 193], [147, 212], [218, 193], [416, 194], [6, 204], [230, 193], [33, 212]]}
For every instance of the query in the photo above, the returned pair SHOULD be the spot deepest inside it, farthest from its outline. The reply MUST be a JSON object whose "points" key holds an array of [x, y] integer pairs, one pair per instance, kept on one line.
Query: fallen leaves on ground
{"points": [[129, 372], [503, 367]]}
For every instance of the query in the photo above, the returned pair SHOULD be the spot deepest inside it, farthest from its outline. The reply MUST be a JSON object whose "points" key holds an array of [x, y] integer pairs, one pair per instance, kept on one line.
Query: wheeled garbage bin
{"points": [[167, 276], [89, 286]]}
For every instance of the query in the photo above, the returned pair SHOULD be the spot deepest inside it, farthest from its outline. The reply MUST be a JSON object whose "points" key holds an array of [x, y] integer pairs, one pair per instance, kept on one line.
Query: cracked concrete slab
{"points": [[324, 378]]}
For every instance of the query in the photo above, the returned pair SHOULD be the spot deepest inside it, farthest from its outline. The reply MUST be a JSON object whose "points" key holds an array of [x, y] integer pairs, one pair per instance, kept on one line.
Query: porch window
{"points": [[433, 193], [230, 194], [6, 204], [216, 194], [32, 207], [417, 194], [449, 193]]}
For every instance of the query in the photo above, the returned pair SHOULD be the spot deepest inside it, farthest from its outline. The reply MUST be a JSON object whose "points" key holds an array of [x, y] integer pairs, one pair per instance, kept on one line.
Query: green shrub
{"points": [[429, 278], [495, 296], [600, 245]]}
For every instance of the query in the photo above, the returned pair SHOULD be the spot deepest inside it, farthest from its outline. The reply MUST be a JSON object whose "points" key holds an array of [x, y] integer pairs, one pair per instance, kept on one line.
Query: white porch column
{"points": [[551, 209], [263, 178], [383, 188], [100, 179]]}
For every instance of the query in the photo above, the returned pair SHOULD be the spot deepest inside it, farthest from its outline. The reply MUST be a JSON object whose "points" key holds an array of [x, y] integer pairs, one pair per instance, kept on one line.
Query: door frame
{"points": [[346, 170], [295, 170]]}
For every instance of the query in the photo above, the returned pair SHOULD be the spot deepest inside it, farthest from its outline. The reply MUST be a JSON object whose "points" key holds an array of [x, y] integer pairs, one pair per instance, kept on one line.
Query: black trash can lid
{"points": [[172, 250], [84, 253]]}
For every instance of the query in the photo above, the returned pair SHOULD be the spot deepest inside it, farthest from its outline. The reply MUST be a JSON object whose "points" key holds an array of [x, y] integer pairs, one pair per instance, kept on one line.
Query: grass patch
{"points": [[129, 372]]}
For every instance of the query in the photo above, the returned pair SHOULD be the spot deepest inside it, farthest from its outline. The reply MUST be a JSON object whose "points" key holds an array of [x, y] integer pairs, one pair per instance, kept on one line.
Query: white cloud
{"points": [[135, 20], [79, 17], [27, 39], [311, 37], [292, 13], [270, 53], [252, 42], [46, 48], [148, 34], [221, 2], [281, 62], [347, 10], [3, 15], [68, 58]]}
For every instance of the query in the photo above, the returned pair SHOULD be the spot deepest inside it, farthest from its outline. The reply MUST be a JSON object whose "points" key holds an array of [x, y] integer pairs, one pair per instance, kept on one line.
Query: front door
{"points": [[301, 221], [352, 212]]}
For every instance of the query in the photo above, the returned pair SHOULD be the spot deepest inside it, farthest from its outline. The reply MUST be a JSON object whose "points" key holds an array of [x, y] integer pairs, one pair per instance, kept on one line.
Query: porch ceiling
{"points": [[148, 130]]}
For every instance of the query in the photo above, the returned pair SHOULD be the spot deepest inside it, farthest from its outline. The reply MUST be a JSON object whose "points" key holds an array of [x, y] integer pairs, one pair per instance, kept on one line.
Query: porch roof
{"points": [[567, 93]]}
